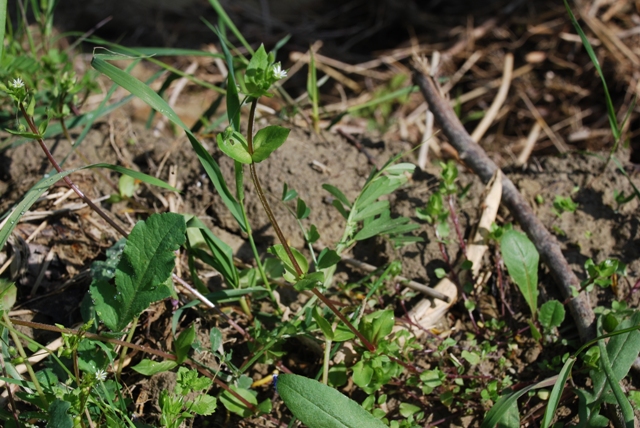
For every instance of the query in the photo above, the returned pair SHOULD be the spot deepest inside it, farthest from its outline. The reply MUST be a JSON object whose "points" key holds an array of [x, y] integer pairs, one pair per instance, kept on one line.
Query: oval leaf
{"points": [[234, 146], [552, 314], [318, 405], [521, 258], [267, 140]]}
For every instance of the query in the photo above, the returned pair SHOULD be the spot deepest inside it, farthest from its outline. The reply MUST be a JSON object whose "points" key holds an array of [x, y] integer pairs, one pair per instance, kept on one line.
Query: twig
{"points": [[358, 146], [405, 281], [478, 161]]}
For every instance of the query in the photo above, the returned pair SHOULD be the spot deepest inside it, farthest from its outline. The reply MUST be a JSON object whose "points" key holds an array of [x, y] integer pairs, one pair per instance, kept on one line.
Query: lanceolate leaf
{"points": [[146, 264], [521, 258], [318, 405]]}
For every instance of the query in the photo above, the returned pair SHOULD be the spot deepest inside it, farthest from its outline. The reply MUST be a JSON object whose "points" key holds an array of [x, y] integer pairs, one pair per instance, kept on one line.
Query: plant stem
{"points": [[32, 374], [281, 238]]}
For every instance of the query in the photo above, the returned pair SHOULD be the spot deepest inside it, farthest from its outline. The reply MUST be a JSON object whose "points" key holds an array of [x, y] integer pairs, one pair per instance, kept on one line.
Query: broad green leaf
{"points": [[551, 314], [234, 145], [8, 293], [58, 416], [556, 392], [146, 264], [183, 343], [318, 405], [149, 368], [255, 74], [232, 404], [521, 258], [267, 140], [471, 357], [621, 350], [215, 337], [146, 94], [377, 325], [327, 258]]}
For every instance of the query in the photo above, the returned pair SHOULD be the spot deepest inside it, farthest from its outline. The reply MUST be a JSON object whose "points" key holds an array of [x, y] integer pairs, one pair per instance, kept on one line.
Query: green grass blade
{"points": [[229, 23], [613, 121], [556, 392], [233, 99], [146, 94], [3, 24], [613, 381]]}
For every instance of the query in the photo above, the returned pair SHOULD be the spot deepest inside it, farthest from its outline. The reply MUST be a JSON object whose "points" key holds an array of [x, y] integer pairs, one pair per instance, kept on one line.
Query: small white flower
{"points": [[16, 83], [101, 375], [278, 72]]}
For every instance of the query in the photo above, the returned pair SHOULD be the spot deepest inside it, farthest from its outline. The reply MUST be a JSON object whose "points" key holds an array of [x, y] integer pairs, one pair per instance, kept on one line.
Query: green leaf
{"points": [[8, 292], [215, 337], [324, 325], [510, 418], [222, 259], [385, 225], [371, 210], [146, 264], [521, 258], [234, 145], [233, 404], [551, 314], [556, 392], [377, 325], [622, 350], [267, 140], [147, 95], [58, 416], [41, 186], [279, 251], [148, 367], [309, 281], [204, 405], [3, 22], [407, 409], [327, 258], [318, 405], [302, 210], [183, 343], [471, 357], [337, 194]]}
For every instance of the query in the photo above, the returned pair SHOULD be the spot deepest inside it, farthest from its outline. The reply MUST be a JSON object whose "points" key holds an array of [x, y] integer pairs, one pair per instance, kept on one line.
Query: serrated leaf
{"points": [[551, 314], [148, 367], [267, 140], [521, 258], [146, 263], [318, 405], [204, 405]]}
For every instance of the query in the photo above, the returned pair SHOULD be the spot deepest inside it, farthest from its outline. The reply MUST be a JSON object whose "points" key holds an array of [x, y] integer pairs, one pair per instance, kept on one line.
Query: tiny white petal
{"points": [[16, 83], [278, 72], [101, 375]]}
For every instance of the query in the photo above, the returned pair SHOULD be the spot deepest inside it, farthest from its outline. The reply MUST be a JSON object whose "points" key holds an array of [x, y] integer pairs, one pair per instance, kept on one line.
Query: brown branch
{"points": [[477, 160]]}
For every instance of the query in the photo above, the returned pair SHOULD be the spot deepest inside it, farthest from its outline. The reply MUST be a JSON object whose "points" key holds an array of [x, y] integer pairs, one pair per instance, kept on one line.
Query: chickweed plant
{"points": [[82, 383]]}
